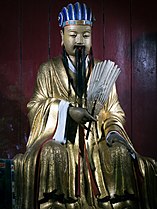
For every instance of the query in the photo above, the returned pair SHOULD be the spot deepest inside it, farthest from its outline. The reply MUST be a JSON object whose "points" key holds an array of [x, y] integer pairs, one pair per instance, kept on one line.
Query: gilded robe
{"points": [[48, 170]]}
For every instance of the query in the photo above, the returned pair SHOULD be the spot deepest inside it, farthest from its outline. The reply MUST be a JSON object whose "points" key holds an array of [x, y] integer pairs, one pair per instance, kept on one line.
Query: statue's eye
{"points": [[73, 35], [86, 35]]}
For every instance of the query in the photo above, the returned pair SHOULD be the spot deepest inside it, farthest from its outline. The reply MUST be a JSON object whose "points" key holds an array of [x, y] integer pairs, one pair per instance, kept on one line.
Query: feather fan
{"points": [[103, 76]]}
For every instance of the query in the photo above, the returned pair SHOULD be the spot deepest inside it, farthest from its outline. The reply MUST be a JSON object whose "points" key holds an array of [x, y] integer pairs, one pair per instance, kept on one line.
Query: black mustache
{"points": [[79, 53], [79, 47]]}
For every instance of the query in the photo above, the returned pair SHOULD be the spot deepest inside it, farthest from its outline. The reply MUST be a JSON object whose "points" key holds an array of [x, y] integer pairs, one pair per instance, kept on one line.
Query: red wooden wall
{"points": [[125, 31]]}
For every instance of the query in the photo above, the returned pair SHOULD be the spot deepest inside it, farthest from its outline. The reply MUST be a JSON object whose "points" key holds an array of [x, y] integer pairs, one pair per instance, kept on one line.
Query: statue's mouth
{"points": [[79, 46]]}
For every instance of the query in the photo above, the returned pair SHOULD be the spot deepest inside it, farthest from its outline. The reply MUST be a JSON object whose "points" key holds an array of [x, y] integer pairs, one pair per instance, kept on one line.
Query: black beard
{"points": [[80, 59], [80, 65]]}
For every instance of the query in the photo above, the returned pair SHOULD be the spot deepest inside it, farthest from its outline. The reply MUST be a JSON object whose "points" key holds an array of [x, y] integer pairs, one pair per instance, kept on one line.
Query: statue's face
{"points": [[76, 35]]}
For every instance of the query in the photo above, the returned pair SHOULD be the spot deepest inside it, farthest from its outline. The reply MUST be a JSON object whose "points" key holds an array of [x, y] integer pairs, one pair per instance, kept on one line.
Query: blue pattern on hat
{"points": [[74, 13], [71, 12]]}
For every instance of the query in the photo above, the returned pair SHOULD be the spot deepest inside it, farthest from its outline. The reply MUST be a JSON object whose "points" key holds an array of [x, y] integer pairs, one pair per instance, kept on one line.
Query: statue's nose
{"points": [[79, 40]]}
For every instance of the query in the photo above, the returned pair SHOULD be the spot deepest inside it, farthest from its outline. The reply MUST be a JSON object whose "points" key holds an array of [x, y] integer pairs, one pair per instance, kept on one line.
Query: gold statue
{"points": [[78, 153]]}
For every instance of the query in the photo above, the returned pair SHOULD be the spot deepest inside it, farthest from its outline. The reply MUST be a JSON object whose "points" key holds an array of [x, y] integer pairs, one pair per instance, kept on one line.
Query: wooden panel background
{"points": [[125, 31]]}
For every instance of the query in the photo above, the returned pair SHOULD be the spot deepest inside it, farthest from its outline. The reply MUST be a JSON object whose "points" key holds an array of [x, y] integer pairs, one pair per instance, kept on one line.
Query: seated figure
{"points": [[75, 158]]}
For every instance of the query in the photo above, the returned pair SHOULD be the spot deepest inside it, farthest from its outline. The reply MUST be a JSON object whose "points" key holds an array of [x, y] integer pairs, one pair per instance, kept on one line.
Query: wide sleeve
{"points": [[114, 116], [43, 107]]}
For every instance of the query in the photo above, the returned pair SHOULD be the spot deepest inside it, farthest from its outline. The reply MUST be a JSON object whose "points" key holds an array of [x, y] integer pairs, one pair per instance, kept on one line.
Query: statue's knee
{"points": [[54, 158]]}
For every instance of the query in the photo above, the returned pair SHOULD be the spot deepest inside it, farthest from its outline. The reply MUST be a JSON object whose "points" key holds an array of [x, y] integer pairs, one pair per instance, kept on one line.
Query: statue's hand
{"points": [[116, 137], [80, 115]]}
